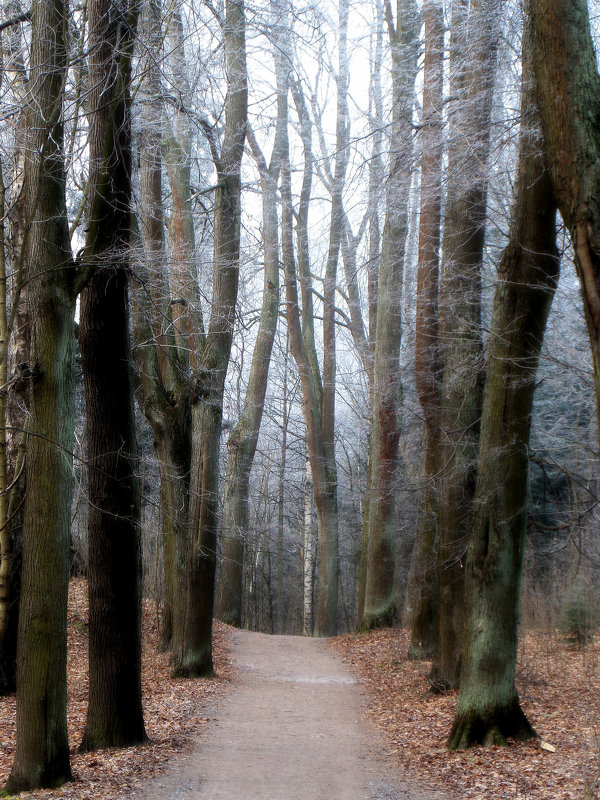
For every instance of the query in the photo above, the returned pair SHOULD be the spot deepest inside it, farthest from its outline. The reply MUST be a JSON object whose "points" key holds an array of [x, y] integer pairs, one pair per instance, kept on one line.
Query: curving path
{"points": [[291, 729]]}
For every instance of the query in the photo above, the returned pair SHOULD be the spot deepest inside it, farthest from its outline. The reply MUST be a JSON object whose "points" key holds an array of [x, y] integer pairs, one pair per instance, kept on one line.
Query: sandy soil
{"points": [[293, 728]]}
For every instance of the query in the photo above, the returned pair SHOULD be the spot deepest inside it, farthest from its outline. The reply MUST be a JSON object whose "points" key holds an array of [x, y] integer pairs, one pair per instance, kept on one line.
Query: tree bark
{"points": [[568, 86], [473, 64], [327, 513], [42, 749], [193, 656], [308, 561], [302, 347], [423, 595], [241, 445], [15, 356], [114, 564], [488, 705], [380, 519], [161, 351]]}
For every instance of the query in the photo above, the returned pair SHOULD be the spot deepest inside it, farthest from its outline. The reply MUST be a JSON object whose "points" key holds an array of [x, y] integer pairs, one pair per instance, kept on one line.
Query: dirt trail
{"points": [[292, 729]]}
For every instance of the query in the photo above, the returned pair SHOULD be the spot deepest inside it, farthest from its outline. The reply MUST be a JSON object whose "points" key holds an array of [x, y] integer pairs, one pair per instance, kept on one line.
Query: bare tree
{"points": [[193, 654], [114, 563], [473, 65], [488, 706], [423, 566], [42, 749], [567, 79], [380, 521], [243, 439]]}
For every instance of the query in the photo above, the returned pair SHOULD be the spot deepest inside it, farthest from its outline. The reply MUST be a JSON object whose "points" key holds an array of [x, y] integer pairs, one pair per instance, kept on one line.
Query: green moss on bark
{"points": [[196, 664], [491, 727], [383, 617]]}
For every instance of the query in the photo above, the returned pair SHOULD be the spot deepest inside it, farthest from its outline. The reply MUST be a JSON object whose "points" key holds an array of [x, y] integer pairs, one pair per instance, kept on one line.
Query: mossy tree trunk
{"points": [[488, 705], [42, 749], [423, 583], [114, 716], [380, 519], [568, 86], [473, 46], [193, 654]]}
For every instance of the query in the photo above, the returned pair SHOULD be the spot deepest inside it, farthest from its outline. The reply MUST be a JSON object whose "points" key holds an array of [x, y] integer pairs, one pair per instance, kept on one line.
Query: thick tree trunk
{"points": [[423, 584], [488, 705], [473, 64], [161, 352], [380, 519], [193, 655], [568, 86], [114, 564], [167, 321], [15, 354], [423, 595], [42, 749]]}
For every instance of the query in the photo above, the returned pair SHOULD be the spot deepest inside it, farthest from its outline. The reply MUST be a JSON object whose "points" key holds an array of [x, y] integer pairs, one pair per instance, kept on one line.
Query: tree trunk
{"points": [[488, 705], [568, 86], [15, 356], [423, 596], [327, 511], [177, 144], [243, 439], [193, 657], [309, 555], [380, 519], [114, 570], [302, 347], [161, 352], [281, 493], [42, 749], [473, 63], [423, 583]]}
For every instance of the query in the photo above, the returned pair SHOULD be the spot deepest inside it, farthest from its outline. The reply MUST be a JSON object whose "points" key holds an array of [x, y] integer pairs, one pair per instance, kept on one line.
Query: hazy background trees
{"points": [[311, 209]]}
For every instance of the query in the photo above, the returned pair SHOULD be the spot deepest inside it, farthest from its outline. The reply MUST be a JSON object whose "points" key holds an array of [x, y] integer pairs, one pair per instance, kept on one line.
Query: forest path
{"points": [[292, 728]]}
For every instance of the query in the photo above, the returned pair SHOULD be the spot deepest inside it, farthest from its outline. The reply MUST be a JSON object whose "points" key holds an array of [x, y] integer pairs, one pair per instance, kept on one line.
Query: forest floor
{"points": [[559, 688]]}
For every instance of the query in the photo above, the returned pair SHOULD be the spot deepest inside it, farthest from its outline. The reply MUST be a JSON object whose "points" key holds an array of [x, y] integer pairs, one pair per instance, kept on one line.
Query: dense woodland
{"points": [[299, 328]]}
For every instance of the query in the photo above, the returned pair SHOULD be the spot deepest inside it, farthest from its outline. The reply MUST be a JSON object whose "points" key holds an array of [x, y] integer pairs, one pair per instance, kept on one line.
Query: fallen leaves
{"points": [[560, 693], [176, 712], [559, 690]]}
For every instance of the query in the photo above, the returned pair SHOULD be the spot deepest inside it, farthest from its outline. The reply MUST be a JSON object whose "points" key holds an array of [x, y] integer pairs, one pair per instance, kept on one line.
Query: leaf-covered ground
{"points": [[559, 687], [560, 692], [177, 712]]}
